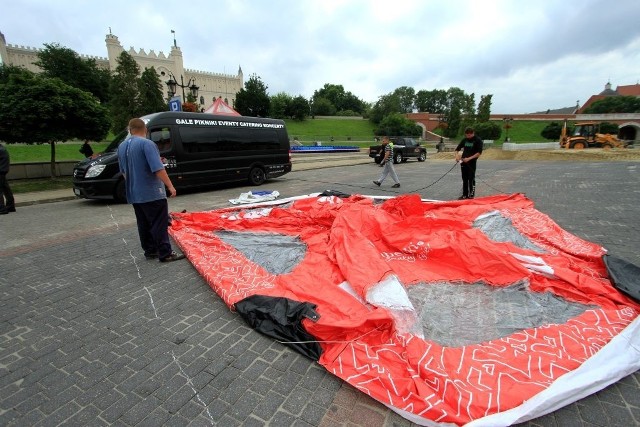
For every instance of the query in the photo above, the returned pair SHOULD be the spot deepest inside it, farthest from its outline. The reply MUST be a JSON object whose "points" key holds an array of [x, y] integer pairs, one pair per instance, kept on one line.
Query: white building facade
{"points": [[211, 85]]}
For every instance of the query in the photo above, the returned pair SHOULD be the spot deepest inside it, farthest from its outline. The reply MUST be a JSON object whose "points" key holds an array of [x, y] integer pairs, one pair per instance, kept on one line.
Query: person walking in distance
{"points": [[471, 146], [86, 149], [145, 181], [7, 203], [387, 163]]}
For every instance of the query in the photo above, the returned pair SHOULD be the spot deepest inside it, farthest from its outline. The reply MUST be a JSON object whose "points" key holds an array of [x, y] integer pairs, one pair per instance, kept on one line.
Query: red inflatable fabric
{"points": [[357, 247]]}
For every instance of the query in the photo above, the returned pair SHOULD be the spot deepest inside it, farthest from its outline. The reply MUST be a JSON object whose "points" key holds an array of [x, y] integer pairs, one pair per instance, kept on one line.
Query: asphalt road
{"points": [[91, 335]]}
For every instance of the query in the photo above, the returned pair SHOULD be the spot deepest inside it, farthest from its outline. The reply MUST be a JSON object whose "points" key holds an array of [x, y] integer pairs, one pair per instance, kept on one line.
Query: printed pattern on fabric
{"points": [[355, 245]]}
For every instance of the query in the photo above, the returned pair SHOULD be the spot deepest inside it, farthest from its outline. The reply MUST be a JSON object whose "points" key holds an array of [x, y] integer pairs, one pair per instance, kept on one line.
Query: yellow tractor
{"points": [[586, 135]]}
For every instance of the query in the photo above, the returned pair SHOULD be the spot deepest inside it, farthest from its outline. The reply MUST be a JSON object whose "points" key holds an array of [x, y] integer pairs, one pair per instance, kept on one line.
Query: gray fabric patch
{"points": [[461, 314], [501, 229], [276, 253]]}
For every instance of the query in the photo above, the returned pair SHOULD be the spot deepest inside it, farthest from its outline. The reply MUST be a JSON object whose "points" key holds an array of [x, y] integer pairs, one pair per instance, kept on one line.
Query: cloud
{"points": [[530, 55]]}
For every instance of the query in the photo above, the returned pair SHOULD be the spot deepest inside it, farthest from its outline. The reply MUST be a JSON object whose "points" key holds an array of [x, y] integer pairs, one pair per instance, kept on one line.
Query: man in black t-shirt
{"points": [[471, 147]]}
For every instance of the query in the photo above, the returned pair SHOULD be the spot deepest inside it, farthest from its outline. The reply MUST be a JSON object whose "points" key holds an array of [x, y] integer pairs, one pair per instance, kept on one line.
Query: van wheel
{"points": [[121, 192], [257, 176]]}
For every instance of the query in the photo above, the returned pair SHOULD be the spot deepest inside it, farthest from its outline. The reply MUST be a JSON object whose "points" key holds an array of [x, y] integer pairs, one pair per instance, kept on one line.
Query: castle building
{"points": [[211, 85]]}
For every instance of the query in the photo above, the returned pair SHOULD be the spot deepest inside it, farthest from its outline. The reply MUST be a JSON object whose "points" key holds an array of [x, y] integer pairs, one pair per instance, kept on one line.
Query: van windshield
{"points": [[116, 141]]}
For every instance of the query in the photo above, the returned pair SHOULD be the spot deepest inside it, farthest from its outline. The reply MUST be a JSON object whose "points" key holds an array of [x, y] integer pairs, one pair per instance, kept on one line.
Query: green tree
{"points": [[37, 109], [340, 99], [608, 127], [150, 89], [488, 130], [253, 100], [432, 101], [484, 109], [279, 105], [299, 108], [468, 111], [552, 131], [125, 92], [615, 104], [323, 107], [350, 102], [386, 104], [458, 103], [396, 124], [406, 97], [68, 66]]}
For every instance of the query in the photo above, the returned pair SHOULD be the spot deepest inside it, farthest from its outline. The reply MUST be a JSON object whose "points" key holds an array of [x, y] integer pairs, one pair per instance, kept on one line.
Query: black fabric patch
{"points": [[624, 275], [281, 318]]}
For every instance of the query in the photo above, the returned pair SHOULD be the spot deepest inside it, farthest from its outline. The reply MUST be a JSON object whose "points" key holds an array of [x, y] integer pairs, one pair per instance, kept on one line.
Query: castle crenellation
{"points": [[208, 73], [14, 46], [213, 85]]}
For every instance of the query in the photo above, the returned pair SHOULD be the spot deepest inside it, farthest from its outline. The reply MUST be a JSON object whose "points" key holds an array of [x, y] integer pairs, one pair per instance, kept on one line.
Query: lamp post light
{"points": [[172, 84], [507, 125]]}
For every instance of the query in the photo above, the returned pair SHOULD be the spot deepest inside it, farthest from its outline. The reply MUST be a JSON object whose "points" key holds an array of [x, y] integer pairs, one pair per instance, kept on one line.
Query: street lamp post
{"points": [[442, 124], [507, 126], [172, 84]]}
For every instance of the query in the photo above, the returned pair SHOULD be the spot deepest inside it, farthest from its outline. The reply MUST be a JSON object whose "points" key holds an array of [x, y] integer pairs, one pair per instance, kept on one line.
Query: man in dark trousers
{"points": [[7, 203], [471, 147], [145, 179]]}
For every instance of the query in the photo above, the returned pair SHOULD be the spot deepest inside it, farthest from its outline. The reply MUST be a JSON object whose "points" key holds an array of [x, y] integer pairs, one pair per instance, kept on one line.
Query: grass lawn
{"points": [[65, 151], [347, 131], [344, 131]]}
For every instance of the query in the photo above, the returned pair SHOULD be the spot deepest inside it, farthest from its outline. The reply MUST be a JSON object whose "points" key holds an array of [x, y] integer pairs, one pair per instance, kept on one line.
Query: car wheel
{"points": [[422, 157], [397, 158], [257, 176]]}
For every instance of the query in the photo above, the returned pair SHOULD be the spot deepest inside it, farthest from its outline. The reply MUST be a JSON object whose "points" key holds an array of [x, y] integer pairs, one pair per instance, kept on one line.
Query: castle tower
{"points": [[114, 49], [4, 57], [175, 58]]}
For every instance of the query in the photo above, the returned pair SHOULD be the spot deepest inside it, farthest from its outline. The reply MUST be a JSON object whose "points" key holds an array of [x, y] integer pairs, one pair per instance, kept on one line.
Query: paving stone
{"points": [[269, 405], [88, 349], [141, 410]]}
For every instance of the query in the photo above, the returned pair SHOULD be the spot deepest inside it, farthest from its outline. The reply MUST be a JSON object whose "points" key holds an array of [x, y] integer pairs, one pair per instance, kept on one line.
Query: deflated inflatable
{"points": [[479, 312]]}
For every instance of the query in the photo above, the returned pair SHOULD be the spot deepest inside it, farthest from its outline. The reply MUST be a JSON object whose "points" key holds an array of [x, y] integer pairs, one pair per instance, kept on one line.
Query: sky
{"points": [[531, 55]]}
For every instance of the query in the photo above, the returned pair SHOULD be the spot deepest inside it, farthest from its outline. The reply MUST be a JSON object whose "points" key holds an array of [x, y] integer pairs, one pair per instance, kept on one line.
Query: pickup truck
{"points": [[403, 148]]}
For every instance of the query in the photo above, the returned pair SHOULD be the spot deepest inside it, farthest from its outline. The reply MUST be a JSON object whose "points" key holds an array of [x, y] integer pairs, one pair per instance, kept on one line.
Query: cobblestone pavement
{"points": [[93, 334]]}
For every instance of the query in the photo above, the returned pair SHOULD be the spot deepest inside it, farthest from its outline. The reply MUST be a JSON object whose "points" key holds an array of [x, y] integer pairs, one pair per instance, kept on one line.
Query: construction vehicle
{"points": [[586, 134]]}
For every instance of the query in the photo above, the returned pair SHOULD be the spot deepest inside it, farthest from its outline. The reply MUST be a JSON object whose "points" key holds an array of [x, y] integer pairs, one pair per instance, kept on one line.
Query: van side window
{"points": [[227, 140], [162, 138], [198, 140]]}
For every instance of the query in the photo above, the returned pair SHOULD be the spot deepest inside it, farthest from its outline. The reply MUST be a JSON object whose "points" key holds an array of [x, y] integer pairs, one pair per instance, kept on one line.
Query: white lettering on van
{"points": [[227, 123], [230, 123]]}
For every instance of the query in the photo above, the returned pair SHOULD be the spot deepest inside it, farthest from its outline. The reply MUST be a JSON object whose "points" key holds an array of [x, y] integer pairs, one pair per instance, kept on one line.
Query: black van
{"points": [[197, 149]]}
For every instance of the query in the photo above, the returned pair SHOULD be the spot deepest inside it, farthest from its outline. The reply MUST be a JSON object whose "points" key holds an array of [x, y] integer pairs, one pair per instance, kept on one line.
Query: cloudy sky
{"points": [[531, 55]]}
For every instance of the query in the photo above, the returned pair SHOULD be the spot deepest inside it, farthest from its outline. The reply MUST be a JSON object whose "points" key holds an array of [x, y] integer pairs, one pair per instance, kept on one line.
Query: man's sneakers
{"points": [[173, 257], [396, 185]]}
